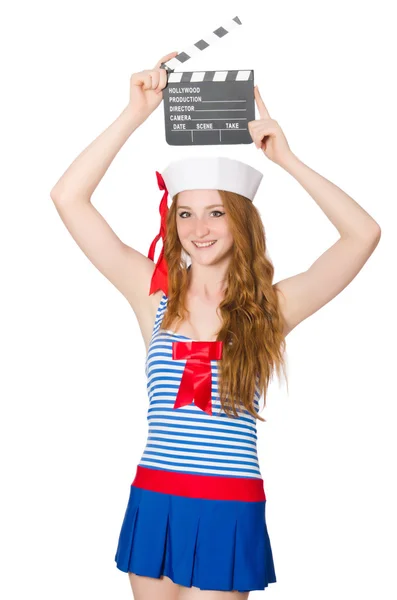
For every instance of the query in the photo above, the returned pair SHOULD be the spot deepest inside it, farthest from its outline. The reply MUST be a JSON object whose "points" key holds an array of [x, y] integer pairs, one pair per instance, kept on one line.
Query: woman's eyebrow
{"points": [[210, 206]]}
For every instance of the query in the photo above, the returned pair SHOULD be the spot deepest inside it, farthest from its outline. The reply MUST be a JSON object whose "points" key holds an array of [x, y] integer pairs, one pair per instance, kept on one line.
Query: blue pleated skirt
{"points": [[211, 544]]}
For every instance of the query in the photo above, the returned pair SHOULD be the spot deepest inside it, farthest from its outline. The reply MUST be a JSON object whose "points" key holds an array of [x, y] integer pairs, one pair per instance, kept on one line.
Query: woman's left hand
{"points": [[267, 134]]}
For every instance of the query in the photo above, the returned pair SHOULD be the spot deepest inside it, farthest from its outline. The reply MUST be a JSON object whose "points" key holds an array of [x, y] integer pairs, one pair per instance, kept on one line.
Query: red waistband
{"points": [[208, 487]]}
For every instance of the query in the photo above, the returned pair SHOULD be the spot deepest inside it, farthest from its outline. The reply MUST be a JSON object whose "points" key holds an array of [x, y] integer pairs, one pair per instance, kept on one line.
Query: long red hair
{"points": [[252, 328]]}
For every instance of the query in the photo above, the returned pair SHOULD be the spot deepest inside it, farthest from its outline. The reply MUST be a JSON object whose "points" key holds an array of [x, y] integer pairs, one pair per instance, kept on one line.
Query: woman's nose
{"points": [[201, 227]]}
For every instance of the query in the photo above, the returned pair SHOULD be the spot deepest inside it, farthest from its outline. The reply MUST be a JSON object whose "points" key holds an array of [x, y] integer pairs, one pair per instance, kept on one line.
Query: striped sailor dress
{"points": [[196, 507]]}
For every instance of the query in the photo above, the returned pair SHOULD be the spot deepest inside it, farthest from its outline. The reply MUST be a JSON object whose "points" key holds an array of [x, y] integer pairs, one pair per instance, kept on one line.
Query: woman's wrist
{"points": [[289, 161], [133, 118]]}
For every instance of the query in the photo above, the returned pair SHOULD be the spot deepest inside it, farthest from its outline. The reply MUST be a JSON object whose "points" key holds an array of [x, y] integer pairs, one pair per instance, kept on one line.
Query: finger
{"points": [[263, 112], [253, 133], [261, 140], [163, 80], [261, 133], [165, 59], [147, 82], [264, 131], [155, 75], [257, 140], [260, 123]]}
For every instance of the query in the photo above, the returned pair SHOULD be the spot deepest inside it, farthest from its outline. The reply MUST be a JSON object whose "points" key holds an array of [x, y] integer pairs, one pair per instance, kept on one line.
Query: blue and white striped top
{"points": [[187, 439]]}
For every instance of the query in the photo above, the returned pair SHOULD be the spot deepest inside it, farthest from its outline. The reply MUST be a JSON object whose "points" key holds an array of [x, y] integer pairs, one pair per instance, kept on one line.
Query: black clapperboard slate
{"points": [[208, 107]]}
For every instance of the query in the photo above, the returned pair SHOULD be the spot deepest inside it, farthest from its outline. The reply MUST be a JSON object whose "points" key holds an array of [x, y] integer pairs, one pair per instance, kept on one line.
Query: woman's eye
{"points": [[185, 212]]}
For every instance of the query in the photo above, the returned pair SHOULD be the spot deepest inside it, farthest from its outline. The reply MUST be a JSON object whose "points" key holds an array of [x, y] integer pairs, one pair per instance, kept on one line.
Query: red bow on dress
{"points": [[160, 275], [196, 382]]}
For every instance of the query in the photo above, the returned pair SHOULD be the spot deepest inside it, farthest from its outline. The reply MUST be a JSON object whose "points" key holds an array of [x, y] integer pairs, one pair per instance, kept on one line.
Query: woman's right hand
{"points": [[146, 88]]}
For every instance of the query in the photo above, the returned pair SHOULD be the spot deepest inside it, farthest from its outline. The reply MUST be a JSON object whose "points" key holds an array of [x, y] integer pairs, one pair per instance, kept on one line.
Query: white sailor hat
{"points": [[212, 173], [198, 173]]}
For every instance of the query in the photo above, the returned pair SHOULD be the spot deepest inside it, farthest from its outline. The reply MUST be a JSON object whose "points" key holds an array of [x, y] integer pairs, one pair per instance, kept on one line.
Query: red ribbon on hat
{"points": [[160, 274], [196, 382]]}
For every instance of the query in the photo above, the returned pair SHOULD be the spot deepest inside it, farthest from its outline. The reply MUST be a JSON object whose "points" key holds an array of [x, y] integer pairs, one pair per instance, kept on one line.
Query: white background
{"points": [[73, 397]]}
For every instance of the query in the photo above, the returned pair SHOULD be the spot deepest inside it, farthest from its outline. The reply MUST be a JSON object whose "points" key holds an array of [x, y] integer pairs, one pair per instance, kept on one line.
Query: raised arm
{"points": [[303, 294], [127, 269]]}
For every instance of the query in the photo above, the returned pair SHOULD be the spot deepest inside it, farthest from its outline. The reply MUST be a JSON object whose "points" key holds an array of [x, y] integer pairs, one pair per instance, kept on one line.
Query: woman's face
{"points": [[201, 217]]}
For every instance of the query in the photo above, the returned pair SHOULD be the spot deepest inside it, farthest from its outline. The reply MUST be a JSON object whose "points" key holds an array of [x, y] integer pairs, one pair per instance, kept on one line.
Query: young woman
{"points": [[214, 332]]}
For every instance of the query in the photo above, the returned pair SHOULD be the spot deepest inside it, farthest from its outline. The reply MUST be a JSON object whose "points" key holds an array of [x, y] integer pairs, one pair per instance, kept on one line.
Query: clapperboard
{"points": [[208, 107]]}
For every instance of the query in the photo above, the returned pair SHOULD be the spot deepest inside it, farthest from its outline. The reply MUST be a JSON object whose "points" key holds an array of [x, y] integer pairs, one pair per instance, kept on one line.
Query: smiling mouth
{"points": [[205, 244]]}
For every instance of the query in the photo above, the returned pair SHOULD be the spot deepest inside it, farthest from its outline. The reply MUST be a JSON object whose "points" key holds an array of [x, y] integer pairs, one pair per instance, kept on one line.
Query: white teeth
{"points": [[204, 245]]}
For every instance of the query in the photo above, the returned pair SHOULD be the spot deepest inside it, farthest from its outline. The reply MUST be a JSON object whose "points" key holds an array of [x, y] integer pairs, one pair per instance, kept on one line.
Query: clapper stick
{"points": [[201, 45], [208, 107]]}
